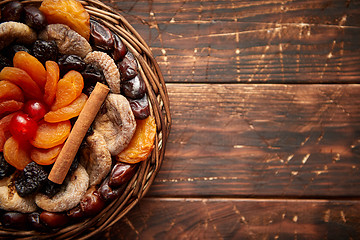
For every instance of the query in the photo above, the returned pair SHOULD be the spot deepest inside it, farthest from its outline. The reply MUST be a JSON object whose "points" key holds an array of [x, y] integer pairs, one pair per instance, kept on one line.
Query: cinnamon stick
{"points": [[77, 134]]}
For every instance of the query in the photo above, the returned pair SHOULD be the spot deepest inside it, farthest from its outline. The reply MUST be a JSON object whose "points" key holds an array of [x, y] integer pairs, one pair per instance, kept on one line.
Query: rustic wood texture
{"points": [[265, 139], [251, 41]]}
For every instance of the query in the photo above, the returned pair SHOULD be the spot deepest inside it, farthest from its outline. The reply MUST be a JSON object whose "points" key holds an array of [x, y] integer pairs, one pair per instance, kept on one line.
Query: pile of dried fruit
{"points": [[51, 58]]}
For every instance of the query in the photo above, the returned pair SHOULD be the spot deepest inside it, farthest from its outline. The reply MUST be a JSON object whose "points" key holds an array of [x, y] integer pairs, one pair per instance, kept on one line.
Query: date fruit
{"points": [[121, 173], [54, 220], [140, 107], [14, 220], [12, 11], [134, 88], [100, 36], [128, 67]]}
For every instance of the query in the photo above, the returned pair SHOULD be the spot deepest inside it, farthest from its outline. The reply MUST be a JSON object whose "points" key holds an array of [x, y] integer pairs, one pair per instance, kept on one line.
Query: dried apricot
{"points": [[10, 91], [67, 112], [142, 142], [52, 78], [32, 66], [4, 129], [45, 156], [17, 153], [49, 135], [68, 89], [9, 106], [22, 80], [68, 12]]}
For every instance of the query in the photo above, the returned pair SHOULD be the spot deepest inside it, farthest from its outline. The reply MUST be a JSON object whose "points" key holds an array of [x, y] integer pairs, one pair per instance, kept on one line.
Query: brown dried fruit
{"points": [[15, 32]]}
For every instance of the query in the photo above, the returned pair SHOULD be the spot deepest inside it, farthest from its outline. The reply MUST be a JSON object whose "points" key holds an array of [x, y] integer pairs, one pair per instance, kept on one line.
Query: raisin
{"points": [[4, 62], [128, 67], [45, 51], [30, 180], [5, 168], [134, 88], [100, 36], [34, 18], [140, 107], [12, 11], [71, 62]]}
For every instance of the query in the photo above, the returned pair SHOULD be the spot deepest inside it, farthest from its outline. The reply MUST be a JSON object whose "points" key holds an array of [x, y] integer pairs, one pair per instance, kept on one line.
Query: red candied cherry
{"points": [[22, 126], [35, 109]]}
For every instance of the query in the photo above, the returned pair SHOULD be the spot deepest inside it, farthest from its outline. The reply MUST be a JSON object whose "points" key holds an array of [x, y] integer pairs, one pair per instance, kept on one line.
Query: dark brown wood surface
{"points": [[265, 138]]}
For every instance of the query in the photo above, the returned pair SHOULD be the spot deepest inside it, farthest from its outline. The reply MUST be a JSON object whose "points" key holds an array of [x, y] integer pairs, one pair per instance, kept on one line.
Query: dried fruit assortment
{"points": [[52, 56]]}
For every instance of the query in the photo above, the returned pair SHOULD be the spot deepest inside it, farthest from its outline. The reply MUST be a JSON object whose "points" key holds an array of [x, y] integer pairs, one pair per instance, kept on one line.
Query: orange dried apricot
{"points": [[22, 80], [10, 91], [68, 89], [17, 153], [9, 106], [142, 142], [32, 66], [68, 12], [49, 135], [67, 112], [45, 156], [4, 129], [52, 78]]}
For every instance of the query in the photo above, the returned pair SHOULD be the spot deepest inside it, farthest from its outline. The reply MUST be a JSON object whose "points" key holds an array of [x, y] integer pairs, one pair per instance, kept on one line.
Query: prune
{"points": [[45, 50], [5, 168], [91, 75], [30, 180], [140, 107], [4, 62], [34, 18], [50, 188], [14, 220], [128, 67], [12, 11], [119, 48], [91, 203], [100, 36], [53, 219], [134, 88], [108, 193], [121, 173], [12, 49], [71, 62], [34, 220]]}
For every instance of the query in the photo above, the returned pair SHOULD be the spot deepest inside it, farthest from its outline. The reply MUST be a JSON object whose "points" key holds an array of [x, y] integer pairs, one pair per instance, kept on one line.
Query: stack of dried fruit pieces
{"points": [[51, 57]]}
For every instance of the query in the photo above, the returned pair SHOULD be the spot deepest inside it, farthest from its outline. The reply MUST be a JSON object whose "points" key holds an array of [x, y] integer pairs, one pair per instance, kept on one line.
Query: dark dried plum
{"points": [[100, 36], [5, 168], [50, 188], [45, 50], [119, 48], [134, 88], [71, 62], [140, 107], [30, 180], [121, 173], [4, 62], [91, 75], [128, 67], [14, 220], [34, 18], [12, 11], [12, 49]]}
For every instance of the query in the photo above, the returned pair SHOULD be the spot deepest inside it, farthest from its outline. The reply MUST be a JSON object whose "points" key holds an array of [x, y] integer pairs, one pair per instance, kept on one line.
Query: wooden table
{"points": [[265, 139]]}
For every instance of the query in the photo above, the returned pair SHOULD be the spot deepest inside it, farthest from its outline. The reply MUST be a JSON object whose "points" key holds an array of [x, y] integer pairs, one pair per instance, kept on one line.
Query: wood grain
{"points": [[251, 41], [262, 140], [238, 219]]}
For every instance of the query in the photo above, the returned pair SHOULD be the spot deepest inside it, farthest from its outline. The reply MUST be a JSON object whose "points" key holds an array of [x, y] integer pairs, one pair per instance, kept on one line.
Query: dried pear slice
{"points": [[68, 41], [108, 66], [16, 32], [69, 196]]}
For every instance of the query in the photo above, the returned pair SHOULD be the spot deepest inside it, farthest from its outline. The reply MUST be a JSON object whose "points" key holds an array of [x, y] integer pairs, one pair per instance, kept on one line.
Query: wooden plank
{"points": [[238, 219], [251, 41], [239, 140]]}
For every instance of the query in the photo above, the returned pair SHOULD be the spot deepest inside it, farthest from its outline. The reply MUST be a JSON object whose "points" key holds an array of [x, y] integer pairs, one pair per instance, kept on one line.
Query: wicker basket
{"points": [[159, 102]]}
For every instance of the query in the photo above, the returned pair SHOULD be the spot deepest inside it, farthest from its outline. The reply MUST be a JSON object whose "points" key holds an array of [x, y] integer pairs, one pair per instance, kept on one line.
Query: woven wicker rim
{"points": [[160, 110]]}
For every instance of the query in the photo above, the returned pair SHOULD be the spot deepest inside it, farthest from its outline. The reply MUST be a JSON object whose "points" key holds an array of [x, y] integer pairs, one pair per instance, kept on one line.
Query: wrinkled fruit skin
{"points": [[34, 18], [30, 180], [100, 36], [45, 51], [12, 11], [71, 62], [5, 168], [134, 88], [140, 107], [128, 67], [121, 173]]}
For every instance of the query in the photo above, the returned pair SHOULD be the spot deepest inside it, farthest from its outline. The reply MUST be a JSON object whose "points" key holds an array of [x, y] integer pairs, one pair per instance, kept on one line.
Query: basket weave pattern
{"points": [[160, 110]]}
